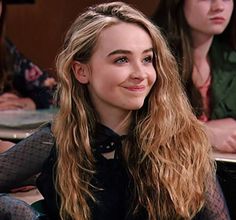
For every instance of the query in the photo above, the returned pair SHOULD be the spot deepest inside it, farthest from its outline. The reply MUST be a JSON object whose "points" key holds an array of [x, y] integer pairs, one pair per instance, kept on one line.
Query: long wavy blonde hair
{"points": [[167, 153]]}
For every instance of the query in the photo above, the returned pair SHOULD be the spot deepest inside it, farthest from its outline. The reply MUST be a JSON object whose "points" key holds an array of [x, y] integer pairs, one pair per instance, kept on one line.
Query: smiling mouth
{"points": [[136, 88]]}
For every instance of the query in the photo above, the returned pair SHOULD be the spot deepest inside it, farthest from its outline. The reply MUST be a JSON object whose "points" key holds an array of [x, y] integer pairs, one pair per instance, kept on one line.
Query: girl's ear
{"points": [[81, 72]]}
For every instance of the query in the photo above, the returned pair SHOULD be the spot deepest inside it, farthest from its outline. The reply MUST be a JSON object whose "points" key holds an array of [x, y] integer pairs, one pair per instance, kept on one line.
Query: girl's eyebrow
{"points": [[121, 51]]}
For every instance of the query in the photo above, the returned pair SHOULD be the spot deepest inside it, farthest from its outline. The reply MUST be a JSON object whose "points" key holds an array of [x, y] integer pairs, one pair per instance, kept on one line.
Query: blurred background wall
{"points": [[38, 29]]}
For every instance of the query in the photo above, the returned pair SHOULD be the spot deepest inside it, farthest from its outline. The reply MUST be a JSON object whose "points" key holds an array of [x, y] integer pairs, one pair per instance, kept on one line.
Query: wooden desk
{"points": [[224, 157], [15, 134], [18, 124]]}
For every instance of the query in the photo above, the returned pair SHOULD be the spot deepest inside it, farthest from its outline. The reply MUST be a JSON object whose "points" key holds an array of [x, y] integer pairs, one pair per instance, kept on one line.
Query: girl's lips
{"points": [[135, 88], [218, 20]]}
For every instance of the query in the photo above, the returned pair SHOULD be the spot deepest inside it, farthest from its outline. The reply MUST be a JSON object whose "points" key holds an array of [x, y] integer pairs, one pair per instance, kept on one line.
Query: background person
{"points": [[202, 36], [22, 84]]}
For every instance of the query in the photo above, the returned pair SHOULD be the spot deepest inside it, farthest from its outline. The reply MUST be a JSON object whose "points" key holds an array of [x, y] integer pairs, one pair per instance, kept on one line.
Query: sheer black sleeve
{"points": [[25, 159], [15, 209], [215, 206]]}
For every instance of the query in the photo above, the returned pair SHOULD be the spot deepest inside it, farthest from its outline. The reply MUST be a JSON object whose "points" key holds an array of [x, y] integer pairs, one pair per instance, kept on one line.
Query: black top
{"points": [[37, 153], [111, 180]]}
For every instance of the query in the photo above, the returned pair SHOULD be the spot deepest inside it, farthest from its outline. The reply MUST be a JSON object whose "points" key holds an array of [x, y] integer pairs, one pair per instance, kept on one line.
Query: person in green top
{"points": [[202, 36]]}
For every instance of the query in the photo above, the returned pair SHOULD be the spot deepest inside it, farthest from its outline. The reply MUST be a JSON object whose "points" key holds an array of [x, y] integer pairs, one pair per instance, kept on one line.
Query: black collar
{"points": [[105, 140]]}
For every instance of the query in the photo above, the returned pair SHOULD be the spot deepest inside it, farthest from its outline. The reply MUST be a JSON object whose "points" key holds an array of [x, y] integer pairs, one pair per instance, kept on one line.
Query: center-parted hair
{"points": [[166, 152]]}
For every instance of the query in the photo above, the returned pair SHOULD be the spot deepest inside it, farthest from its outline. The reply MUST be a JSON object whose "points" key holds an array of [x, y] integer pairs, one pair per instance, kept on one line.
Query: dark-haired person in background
{"points": [[202, 36]]}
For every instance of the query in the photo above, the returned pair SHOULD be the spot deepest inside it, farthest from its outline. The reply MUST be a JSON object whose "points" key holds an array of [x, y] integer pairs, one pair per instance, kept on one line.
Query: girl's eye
{"points": [[148, 59], [121, 60]]}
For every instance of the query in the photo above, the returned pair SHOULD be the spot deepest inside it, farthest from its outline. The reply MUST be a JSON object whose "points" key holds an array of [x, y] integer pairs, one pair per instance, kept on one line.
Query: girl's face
{"points": [[120, 73], [208, 16]]}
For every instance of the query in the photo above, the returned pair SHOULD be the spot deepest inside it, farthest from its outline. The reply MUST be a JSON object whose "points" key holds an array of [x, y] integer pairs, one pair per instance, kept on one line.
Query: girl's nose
{"points": [[217, 5], [138, 72]]}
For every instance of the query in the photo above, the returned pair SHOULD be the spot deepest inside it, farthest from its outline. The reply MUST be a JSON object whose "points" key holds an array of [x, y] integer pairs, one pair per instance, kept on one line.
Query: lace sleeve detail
{"points": [[215, 206], [14, 209], [25, 159]]}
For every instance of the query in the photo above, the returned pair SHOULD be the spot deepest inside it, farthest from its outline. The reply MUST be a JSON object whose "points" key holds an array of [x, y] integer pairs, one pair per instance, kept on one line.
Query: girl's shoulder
{"points": [[221, 52]]}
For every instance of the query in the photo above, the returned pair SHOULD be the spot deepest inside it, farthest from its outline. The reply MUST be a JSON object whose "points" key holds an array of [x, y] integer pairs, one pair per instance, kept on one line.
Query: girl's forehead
{"points": [[123, 36], [122, 32]]}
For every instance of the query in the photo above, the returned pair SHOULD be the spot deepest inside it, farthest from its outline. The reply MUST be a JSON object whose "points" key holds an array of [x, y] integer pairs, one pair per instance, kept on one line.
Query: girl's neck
{"points": [[201, 74], [118, 123], [201, 46]]}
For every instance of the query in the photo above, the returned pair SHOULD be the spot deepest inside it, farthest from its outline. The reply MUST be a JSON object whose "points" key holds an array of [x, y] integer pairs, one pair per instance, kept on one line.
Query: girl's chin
{"points": [[136, 106]]}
